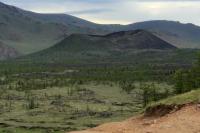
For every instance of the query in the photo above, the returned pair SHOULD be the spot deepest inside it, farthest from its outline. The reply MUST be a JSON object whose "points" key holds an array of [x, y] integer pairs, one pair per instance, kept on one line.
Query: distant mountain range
{"points": [[176, 33], [28, 32]]}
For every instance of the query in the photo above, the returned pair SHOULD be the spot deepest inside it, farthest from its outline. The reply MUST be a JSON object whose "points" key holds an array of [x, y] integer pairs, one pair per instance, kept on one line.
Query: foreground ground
{"points": [[186, 120]]}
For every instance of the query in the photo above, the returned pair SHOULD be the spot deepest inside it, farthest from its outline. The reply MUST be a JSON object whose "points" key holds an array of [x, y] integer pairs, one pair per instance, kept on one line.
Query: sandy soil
{"points": [[186, 120]]}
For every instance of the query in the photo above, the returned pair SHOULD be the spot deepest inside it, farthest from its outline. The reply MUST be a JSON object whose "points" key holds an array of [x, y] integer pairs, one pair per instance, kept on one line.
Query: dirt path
{"points": [[186, 120]]}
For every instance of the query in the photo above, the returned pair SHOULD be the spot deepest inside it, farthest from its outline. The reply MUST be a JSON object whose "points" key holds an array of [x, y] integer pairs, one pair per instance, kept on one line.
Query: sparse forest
{"points": [[78, 97]]}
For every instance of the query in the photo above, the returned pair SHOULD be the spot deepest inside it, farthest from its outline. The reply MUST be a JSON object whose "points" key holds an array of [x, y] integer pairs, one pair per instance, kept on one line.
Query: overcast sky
{"points": [[117, 11]]}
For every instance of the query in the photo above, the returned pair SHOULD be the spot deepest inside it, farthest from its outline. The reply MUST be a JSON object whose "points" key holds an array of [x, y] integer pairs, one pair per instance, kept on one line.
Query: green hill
{"points": [[80, 47]]}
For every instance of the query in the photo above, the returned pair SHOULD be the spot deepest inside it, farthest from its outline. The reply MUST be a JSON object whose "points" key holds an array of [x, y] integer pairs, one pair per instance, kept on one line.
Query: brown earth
{"points": [[185, 120]]}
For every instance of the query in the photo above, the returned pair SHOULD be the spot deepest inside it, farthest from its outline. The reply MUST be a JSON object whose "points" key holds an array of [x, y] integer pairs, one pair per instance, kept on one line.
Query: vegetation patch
{"points": [[172, 103]]}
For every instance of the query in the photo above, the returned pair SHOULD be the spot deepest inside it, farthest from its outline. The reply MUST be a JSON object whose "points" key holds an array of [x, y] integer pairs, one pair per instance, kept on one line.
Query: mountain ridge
{"points": [[30, 32], [179, 34]]}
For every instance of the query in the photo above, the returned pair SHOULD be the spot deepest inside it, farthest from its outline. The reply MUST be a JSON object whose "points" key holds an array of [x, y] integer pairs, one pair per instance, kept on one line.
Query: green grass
{"points": [[190, 97], [88, 105], [71, 114], [48, 115], [22, 130]]}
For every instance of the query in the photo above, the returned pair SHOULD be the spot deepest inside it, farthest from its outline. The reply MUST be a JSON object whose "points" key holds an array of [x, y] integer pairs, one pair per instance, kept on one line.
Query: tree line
{"points": [[187, 80]]}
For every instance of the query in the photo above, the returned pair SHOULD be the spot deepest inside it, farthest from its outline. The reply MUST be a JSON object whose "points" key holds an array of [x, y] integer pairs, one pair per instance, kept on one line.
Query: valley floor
{"points": [[186, 120]]}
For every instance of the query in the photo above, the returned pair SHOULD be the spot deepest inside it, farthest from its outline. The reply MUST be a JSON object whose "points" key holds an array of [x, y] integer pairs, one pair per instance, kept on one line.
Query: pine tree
{"points": [[179, 85]]}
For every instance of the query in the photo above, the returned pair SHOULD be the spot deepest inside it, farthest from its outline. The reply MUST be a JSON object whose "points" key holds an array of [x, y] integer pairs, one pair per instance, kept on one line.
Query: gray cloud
{"points": [[89, 11], [117, 11]]}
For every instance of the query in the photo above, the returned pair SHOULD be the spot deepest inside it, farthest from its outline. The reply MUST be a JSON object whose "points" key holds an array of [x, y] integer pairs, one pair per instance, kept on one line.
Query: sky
{"points": [[117, 11]]}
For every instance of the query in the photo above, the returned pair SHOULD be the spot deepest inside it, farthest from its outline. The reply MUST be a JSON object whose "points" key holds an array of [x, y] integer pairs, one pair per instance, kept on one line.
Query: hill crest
{"points": [[122, 40]]}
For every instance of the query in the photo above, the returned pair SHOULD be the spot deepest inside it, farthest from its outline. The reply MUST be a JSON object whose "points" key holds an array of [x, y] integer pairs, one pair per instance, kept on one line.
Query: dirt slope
{"points": [[186, 120]]}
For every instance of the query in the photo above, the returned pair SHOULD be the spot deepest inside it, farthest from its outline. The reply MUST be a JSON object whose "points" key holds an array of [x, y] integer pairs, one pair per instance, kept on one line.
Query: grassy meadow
{"points": [[57, 102]]}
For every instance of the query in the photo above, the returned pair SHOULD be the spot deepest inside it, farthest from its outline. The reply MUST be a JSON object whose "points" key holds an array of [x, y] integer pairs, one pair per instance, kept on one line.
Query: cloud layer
{"points": [[117, 11]]}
